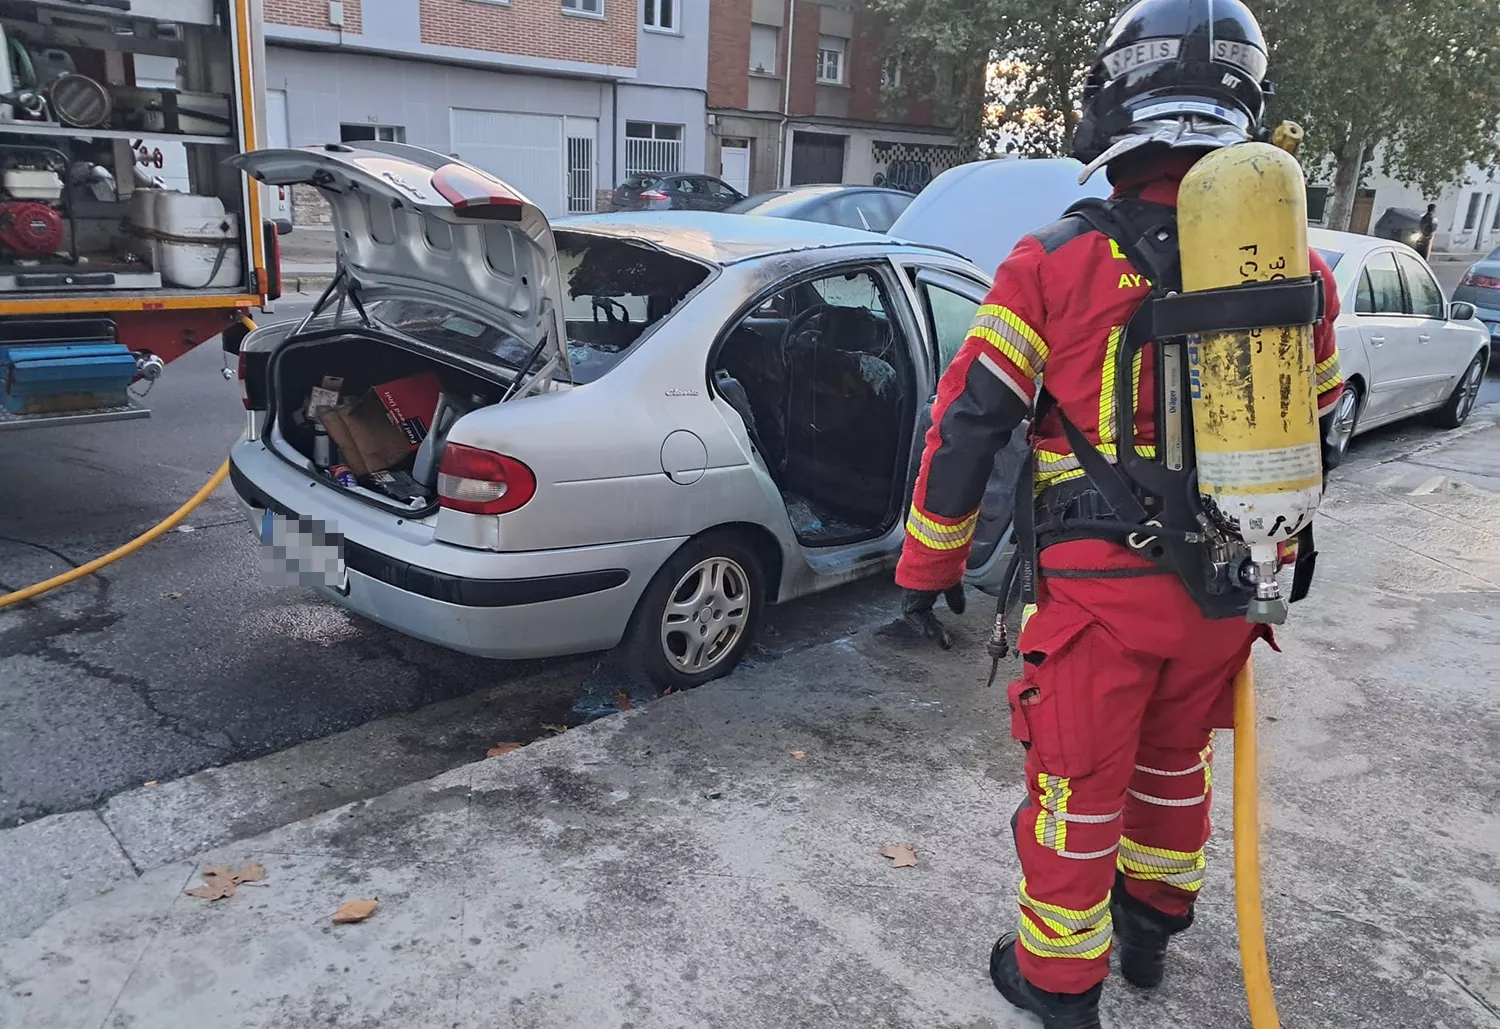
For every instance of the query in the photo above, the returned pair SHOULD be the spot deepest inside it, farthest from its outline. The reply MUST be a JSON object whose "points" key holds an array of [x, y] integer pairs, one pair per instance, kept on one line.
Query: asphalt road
{"points": [[179, 658]]}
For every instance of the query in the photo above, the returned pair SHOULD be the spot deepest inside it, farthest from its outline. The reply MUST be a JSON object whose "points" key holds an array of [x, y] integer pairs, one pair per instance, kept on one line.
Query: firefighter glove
{"points": [[916, 611]]}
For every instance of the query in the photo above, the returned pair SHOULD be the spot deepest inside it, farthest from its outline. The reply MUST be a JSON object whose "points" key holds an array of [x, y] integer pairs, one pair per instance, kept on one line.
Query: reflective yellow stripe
{"points": [[1063, 920], [1026, 612], [1085, 945], [1051, 827], [937, 535], [1328, 374], [1017, 357], [1107, 387], [1017, 323], [1052, 467], [1179, 868]]}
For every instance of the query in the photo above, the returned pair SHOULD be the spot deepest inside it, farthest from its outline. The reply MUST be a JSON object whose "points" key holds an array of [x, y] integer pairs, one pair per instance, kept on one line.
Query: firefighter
{"points": [[1127, 656]]}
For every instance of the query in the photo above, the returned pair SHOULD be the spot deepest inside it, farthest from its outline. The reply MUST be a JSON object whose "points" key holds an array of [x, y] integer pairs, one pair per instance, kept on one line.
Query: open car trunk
{"points": [[370, 417]]}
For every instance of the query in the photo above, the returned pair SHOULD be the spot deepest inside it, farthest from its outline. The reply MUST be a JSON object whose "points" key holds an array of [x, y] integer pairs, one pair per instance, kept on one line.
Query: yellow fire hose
{"points": [[155, 532], [1247, 898]]}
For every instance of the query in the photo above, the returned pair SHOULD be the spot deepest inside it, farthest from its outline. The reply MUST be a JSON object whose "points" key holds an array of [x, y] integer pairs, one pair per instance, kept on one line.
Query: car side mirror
{"points": [[1460, 311]]}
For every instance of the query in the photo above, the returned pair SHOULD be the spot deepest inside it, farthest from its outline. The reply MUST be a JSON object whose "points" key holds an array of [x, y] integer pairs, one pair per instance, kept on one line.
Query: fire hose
{"points": [[158, 530], [1247, 899]]}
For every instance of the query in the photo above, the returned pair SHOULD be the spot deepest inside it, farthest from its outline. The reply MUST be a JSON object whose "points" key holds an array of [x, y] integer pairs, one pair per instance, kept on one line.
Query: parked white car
{"points": [[1404, 350]]}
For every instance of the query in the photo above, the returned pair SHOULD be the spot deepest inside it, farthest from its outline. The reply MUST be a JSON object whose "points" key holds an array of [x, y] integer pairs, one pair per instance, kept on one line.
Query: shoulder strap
{"points": [[1146, 234]]}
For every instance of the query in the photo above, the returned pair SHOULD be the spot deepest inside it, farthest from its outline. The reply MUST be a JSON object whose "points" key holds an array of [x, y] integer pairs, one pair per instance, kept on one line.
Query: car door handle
{"points": [[1377, 341], [1422, 337]]}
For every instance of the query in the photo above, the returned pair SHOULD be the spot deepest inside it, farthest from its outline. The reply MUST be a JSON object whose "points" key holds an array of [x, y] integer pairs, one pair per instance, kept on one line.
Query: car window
{"points": [[1364, 300], [1387, 296], [639, 181], [685, 186], [857, 289], [1426, 296], [613, 292], [951, 315], [1494, 255], [722, 190]]}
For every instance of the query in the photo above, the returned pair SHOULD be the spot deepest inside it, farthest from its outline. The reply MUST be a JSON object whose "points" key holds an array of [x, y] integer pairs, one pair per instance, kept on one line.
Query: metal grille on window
{"points": [[580, 175], [911, 166], [650, 147]]}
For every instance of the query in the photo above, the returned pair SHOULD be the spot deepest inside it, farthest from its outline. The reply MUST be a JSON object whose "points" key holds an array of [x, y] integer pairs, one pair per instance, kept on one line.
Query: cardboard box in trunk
{"points": [[388, 423]]}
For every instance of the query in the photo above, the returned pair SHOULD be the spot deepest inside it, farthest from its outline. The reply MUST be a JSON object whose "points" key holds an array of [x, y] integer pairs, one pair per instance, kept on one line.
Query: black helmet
{"points": [[1198, 66]]}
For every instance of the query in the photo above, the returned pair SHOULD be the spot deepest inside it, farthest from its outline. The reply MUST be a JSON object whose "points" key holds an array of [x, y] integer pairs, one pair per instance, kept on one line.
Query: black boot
{"points": [[1141, 935], [1056, 1010]]}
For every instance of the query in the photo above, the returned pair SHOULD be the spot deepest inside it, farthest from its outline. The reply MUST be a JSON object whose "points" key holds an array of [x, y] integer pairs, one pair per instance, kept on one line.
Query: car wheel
{"points": [[699, 614], [1461, 404], [1346, 418]]}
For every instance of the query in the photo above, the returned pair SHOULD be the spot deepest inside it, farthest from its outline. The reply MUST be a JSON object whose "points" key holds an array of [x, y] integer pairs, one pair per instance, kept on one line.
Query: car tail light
{"points": [[251, 371], [1485, 281], [482, 482], [653, 194]]}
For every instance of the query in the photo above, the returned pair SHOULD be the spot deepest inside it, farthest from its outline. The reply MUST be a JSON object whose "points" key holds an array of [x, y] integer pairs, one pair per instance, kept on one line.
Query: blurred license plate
{"points": [[302, 552]]}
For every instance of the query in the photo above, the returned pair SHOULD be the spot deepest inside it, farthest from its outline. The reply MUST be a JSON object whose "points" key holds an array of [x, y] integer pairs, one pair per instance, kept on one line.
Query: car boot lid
{"points": [[412, 222], [982, 209]]}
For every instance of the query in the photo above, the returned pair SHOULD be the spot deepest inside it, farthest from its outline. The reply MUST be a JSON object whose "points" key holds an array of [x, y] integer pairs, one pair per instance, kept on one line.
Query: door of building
{"points": [[817, 157], [1364, 207], [734, 163]]}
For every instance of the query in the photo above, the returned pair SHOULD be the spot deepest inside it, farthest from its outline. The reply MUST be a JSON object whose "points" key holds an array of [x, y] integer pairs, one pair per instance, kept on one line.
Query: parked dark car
{"points": [[1480, 286], [648, 192], [857, 207]]}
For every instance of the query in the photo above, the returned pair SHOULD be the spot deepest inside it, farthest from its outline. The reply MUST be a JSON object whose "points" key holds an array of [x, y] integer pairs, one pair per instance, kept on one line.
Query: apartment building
{"points": [[798, 93], [1468, 208], [562, 98]]}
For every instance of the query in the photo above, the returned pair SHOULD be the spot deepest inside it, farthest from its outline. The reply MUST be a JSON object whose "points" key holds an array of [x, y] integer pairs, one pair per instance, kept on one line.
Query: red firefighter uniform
{"points": [[1124, 678]]}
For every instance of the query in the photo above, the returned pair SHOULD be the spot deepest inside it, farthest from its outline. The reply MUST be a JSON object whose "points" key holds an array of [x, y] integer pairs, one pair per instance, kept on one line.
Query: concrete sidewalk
{"points": [[680, 866]]}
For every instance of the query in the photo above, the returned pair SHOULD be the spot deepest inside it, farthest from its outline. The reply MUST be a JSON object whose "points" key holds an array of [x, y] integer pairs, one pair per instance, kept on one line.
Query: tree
{"points": [[1415, 81], [1038, 54]]}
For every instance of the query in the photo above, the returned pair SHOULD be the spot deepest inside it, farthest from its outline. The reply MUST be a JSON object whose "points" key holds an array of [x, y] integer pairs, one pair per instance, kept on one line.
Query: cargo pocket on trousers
{"points": [[1052, 705]]}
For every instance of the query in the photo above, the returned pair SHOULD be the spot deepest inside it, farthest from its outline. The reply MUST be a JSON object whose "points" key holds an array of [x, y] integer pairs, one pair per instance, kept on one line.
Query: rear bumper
{"points": [[499, 605]]}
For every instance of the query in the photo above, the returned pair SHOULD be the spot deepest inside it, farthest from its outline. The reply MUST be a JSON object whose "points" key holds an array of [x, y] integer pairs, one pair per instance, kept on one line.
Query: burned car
{"points": [[524, 439]]}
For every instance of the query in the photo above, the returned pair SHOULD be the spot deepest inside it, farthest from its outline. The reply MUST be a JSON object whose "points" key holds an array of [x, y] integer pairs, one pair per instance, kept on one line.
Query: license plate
{"points": [[302, 552]]}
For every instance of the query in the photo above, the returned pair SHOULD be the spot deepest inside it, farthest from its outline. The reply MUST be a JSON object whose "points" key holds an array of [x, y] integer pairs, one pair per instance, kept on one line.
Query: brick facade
{"points": [[312, 14], [533, 28], [729, 54]]}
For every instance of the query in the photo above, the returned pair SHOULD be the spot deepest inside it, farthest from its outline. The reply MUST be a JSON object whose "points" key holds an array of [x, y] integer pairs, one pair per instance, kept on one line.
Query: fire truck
{"points": [[125, 239]]}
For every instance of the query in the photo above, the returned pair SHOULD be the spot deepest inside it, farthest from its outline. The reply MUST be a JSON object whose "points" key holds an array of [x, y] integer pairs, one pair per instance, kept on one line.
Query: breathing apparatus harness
{"points": [[1152, 505]]}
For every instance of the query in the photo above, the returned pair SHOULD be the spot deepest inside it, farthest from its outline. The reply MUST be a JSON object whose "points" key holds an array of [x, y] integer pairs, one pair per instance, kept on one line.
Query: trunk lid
{"points": [[982, 210], [412, 223]]}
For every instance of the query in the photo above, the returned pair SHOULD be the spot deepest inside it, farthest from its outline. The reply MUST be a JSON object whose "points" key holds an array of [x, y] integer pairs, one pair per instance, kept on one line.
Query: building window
{"points": [[765, 43], [660, 15], [1472, 218], [361, 133], [1317, 201], [651, 147], [831, 59], [1495, 227], [592, 8], [890, 73]]}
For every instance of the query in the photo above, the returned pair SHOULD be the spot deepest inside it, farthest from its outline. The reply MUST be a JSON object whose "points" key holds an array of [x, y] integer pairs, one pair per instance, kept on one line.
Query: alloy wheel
{"points": [[1469, 388], [706, 615], [1345, 417]]}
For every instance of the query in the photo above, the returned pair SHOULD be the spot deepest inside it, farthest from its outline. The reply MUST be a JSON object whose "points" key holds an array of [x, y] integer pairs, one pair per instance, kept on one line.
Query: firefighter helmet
{"points": [[1184, 73]]}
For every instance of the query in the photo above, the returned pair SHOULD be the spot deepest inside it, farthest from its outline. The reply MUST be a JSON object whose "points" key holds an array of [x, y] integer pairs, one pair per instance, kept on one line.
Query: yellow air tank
{"points": [[1242, 218]]}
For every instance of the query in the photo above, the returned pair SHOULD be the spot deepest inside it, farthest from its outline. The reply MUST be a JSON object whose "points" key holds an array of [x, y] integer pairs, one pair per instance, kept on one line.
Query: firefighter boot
{"points": [[1141, 935], [1056, 1010]]}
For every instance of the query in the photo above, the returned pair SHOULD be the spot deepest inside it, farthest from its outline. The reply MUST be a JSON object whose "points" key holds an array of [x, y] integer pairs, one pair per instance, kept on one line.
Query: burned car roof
{"points": [[725, 239]]}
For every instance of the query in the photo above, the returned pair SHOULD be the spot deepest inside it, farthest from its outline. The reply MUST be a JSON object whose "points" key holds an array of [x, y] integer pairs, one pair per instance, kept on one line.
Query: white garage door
{"points": [[525, 150]]}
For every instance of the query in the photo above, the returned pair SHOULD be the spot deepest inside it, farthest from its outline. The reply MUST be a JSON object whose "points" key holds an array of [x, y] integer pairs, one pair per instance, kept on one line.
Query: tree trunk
{"points": [[1349, 160]]}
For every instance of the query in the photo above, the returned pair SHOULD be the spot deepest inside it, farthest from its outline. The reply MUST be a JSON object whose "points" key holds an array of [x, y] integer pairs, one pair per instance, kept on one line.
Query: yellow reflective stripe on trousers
{"points": [[1085, 945], [1328, 374], [1182, 869], [1051, 830], [938, 536], [1063, 920]]}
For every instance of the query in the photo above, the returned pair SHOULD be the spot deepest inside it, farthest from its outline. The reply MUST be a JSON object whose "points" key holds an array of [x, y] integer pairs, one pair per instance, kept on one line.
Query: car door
{"points": [[948, 305], [1441, 354], [685, 194], [1389, 335], [720, 195]]}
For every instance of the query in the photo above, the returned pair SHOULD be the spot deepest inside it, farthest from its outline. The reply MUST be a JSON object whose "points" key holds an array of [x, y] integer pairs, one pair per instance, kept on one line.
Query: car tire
{"points": [[1461, 403], [699, 614], [1346, 417]]}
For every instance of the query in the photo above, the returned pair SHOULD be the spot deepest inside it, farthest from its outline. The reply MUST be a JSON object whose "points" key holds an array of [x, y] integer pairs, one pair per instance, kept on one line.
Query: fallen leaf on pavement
{"points": [[902, 855], [149, 782], [218, 883], [501, 748], [174, 596], [622, 701], [799, 754], [556, 730], [354, 911]]}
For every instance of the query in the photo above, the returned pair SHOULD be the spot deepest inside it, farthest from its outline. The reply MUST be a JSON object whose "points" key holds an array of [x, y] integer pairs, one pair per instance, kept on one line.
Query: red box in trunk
{"points": [[410, 404]]}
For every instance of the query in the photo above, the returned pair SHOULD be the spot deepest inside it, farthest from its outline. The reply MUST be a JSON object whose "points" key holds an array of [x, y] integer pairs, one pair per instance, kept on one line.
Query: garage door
{"points": [[525, 150]]}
